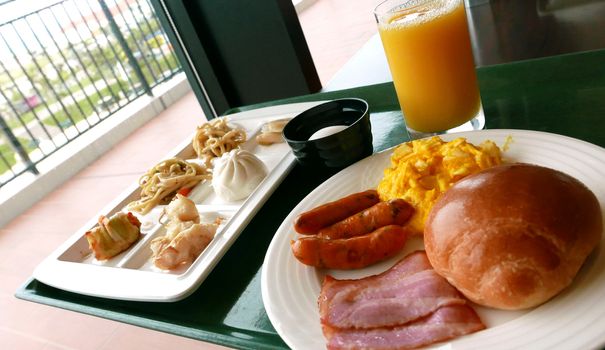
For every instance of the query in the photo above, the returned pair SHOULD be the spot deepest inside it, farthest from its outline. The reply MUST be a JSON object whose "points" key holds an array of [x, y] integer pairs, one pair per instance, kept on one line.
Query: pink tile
{"points": [[8, 239], [11, 281], [70, 329], [335, 30], [50, 346], [53, 325], [16, 314], [27, 261], [46, 221], [134, 338], [19, 341]]}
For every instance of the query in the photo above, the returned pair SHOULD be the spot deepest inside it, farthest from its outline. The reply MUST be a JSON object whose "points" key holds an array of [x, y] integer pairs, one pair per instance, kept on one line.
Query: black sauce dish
{"points": [[333, 150]]}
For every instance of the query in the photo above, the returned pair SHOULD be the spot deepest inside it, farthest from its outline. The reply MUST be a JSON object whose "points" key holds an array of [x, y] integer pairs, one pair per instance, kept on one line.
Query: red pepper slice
{"points": [[184, 191]]}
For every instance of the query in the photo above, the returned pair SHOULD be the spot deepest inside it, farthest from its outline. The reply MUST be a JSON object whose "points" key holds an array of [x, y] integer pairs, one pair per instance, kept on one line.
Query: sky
{"points": [[16, 8], [43, 25], [25, 28]]}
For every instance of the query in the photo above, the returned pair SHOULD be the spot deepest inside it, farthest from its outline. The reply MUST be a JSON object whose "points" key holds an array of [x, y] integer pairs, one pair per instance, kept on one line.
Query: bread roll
{"points": [[513, 236]]}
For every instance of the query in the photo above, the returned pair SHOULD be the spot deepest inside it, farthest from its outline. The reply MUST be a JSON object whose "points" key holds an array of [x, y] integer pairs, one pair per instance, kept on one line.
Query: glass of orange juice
{"points": [[428, 47]]}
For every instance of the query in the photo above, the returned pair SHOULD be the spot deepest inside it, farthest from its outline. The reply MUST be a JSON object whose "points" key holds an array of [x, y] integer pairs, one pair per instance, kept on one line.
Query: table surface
{"points": [[562, 94]]}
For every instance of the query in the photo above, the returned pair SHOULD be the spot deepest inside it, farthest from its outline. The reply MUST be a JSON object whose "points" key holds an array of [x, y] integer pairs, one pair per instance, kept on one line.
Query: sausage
{"points": [[394, 212], [350, 253], [315, 219]]}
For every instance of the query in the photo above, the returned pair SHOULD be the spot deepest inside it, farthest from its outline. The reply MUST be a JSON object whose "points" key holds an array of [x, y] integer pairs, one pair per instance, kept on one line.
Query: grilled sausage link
{"points": [[325, 215], [393, 212], [350, 253]]}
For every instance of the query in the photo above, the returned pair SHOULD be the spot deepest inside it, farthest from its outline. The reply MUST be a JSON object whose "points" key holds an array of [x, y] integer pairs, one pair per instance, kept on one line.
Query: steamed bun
{"points": [[236, 174]]}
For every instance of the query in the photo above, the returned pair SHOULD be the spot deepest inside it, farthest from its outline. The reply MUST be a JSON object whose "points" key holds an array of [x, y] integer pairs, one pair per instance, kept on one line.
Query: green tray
{"points": [[562, 94]]}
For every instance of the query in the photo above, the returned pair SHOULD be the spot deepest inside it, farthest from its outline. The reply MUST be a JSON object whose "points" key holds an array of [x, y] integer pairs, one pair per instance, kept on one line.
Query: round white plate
{"points": [[575, 319]]}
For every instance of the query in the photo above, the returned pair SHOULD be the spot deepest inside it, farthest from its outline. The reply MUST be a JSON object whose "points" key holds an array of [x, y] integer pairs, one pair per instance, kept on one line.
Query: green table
{"points": [[561, 94]]}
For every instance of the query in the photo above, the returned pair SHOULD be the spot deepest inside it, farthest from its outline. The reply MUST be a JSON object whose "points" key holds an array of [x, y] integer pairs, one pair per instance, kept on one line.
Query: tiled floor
{"points": [[36, 233], [335, 30]]}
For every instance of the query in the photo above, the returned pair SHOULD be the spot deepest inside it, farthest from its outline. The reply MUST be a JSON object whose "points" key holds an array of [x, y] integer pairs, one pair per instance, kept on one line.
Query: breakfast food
{"points": [[185, 236], [114, 235], [393, 212], [405, 307], [352, 232], [216, 137], [446, 323], [160, 184], [271, 132], [409, 290], [513, 236], [350, 253], [327, 214], [421, 170], [236, 174]]}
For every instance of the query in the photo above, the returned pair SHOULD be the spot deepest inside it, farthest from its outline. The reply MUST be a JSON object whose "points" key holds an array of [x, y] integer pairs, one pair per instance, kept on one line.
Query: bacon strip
{"points": [[407, 306], [392, 303], [446, 323], [411, 264]]}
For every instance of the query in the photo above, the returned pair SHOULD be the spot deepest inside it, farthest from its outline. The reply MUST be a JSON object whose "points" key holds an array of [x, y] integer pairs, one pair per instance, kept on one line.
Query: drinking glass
{"points": [[428, 48]]}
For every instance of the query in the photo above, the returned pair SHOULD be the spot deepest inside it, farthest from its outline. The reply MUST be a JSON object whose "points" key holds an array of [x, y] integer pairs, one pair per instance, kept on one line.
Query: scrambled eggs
{"points": [[423, 169]]}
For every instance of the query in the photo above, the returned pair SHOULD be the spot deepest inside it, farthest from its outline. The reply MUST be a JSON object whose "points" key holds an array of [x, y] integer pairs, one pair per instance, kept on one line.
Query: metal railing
{"points": [[66, 67]]}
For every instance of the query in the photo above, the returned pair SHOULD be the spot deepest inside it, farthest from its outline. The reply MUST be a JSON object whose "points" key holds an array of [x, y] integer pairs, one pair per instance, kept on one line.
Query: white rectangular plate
{"points": [[131, 275]]}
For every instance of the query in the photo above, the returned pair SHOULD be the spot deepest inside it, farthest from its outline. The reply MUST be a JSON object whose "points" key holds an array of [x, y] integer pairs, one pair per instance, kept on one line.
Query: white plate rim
{"points": [[593, 329]]}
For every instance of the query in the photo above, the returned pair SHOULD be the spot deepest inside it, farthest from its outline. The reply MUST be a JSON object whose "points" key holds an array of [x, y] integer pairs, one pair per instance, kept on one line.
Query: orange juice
{"points": [[429, 53]]}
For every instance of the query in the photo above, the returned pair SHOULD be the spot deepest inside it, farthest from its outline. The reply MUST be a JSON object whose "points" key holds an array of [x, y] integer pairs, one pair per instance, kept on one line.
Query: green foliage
{"points": [[84, 107], [9, 154], [74, 70], [26, 117]]}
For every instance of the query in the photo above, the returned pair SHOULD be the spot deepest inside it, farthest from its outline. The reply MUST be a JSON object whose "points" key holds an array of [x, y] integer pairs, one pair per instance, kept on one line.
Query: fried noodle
{"points": [[214, 138], [160, 183]]}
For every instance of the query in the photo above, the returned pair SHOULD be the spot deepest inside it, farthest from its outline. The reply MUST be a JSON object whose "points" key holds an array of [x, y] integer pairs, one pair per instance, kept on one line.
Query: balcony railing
{"points": [[66, 67]]}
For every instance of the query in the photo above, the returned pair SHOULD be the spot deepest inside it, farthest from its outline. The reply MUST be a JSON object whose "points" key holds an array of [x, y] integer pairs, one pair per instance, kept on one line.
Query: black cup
{"points": [[337, 150]]}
